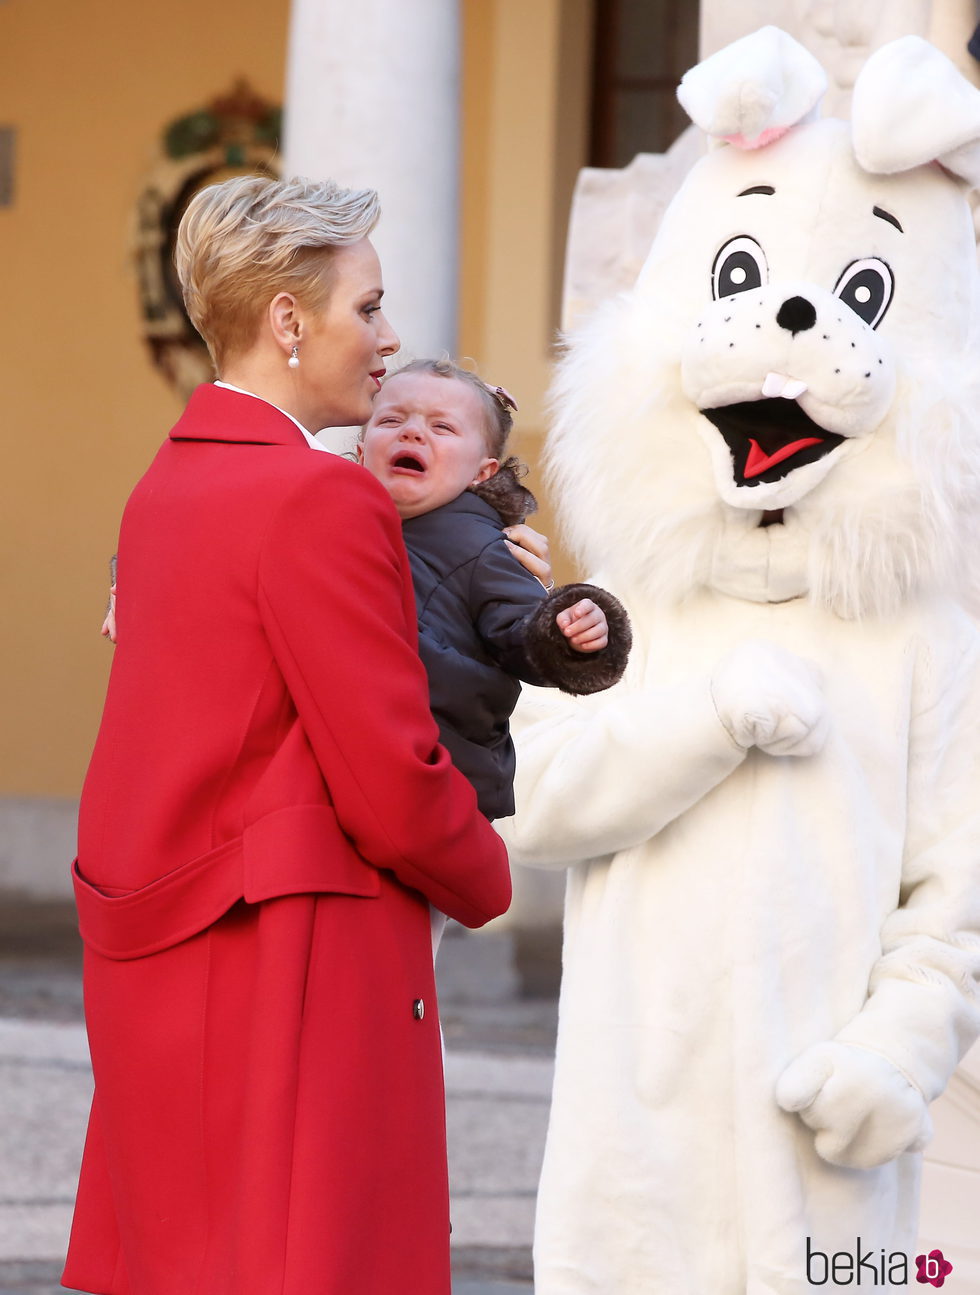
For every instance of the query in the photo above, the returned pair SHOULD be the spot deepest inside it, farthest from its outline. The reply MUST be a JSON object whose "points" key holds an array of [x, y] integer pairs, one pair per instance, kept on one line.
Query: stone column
{"points": [[372, 100]]}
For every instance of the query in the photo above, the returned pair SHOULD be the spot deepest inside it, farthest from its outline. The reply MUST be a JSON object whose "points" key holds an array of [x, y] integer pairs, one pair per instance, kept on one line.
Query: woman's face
{"points": [[342, 348]]}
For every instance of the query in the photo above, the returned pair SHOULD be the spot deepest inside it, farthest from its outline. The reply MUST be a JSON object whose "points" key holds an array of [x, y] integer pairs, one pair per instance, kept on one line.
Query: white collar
{"points": [[313, 442]]}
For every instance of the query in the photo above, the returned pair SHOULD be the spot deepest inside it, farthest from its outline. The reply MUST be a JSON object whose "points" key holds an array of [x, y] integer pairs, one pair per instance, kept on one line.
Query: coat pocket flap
{"points": [[299, 849], [291, 851]]}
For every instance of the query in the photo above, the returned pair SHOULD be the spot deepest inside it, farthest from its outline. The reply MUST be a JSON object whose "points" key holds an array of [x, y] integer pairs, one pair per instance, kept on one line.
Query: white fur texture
{"points": [[888, 514], [756, 87], [895, 131], [770, 699], [771, 964], [863, 1110]]}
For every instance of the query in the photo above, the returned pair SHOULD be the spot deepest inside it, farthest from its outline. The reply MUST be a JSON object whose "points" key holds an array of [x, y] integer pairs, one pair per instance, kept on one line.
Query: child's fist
{"points": [[584, 626]]}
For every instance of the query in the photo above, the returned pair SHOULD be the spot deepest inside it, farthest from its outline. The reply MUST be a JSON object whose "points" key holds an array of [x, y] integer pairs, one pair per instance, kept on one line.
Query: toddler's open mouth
{"points": [[408, 463]]}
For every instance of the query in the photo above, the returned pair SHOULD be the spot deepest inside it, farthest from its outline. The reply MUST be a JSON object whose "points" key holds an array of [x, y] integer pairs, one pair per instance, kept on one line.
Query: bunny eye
{"points": [[867, 286], [739, 266]]}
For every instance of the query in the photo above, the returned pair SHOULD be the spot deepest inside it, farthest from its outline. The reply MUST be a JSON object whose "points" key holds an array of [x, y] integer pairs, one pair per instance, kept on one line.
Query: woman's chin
{"points": [[355, 414]]}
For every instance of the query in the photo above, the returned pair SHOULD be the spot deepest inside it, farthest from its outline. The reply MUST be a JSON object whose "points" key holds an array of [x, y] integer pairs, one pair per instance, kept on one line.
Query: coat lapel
{"points": [[217, 414]]}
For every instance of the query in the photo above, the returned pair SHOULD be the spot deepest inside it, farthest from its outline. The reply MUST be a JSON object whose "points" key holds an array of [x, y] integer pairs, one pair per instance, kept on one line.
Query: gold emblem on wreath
{"points": [[236, 134]]}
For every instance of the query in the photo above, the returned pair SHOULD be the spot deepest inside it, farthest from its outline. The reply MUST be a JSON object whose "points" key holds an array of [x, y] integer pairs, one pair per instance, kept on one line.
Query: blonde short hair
{"points": [[241, 242]]}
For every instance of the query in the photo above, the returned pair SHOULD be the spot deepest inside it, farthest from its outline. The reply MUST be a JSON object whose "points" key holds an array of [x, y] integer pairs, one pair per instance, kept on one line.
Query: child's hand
{"points": [[109, 624], [584, 625]]}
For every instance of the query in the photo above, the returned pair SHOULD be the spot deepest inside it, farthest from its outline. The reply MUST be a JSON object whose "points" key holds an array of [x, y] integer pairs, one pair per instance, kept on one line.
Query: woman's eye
{"points": [[370, 310], [740, 266], [867, 286]]}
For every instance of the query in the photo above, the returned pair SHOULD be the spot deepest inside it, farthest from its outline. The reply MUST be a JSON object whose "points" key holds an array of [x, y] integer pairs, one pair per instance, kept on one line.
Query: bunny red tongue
{"points": [[771, 437], [758, 461]]}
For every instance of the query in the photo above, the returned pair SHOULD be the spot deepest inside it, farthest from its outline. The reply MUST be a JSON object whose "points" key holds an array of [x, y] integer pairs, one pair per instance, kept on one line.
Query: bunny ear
{"points": [[754, 90], [910, 106]]}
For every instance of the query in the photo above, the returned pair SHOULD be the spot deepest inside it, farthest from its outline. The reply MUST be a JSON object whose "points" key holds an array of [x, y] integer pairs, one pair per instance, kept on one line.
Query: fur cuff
{"points": [[578, 672]]}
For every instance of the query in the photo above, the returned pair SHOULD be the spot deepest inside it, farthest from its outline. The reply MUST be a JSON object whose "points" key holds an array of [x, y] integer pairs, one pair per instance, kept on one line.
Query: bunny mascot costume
{"points": [[769, 450]]}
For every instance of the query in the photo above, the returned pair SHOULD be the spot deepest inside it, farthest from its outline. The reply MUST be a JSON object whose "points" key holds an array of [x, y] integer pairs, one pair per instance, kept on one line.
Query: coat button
{"points": [[418, 1009]]}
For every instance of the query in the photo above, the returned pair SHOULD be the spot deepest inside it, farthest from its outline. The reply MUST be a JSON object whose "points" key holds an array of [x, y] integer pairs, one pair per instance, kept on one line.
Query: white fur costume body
{"points": [[772, 825]]}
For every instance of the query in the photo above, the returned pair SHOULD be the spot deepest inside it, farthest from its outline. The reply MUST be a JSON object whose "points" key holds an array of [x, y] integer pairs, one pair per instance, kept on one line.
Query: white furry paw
{"points": [[769, 698], [863, 1111]]}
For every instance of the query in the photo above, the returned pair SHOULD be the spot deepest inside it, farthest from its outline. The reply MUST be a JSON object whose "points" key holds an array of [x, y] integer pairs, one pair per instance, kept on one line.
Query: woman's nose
{"points": [[388, 341]]}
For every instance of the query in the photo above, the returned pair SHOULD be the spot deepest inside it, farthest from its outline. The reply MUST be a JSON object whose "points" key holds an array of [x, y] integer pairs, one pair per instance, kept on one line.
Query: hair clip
{"points": [[503, 396]]}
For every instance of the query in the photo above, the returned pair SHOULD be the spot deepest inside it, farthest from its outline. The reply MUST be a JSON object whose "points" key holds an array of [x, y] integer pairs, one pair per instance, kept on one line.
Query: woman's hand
{"points": [[109, 624], [585, 626], [530, 548]]}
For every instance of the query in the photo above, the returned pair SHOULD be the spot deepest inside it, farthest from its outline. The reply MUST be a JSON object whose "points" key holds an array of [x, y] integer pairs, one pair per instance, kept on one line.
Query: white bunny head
{"points": [[798, 346]]}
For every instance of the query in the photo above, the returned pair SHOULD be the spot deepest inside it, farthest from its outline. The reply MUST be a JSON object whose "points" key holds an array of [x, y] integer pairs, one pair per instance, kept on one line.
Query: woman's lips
{"points": [[377, 375]]}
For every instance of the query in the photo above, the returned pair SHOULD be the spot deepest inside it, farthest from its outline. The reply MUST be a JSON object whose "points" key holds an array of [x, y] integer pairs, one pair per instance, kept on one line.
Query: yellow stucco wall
{"points": [[525, 125], [88, 88]]}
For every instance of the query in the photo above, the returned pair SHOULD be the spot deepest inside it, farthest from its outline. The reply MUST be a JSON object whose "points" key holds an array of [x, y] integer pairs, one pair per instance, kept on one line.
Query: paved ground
{"points": [[499, 1014]]}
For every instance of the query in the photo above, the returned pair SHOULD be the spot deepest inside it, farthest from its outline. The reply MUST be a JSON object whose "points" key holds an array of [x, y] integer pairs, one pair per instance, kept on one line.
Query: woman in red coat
{"points": [[267, 813]]}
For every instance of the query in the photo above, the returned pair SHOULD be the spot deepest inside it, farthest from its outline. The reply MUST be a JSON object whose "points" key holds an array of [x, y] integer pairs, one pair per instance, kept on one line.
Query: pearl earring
{"points": [[293, 360]]}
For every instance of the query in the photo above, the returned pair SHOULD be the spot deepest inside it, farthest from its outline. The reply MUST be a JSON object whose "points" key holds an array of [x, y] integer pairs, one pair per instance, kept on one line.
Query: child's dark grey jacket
{"points": [[484, 624]]}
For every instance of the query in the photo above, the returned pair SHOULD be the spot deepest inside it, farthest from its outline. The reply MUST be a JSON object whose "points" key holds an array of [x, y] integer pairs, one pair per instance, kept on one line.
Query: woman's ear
{"points": [[285, 320]]}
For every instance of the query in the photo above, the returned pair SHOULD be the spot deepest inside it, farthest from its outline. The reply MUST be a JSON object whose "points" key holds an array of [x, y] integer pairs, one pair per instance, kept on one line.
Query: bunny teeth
{"points": [[778, 384]]}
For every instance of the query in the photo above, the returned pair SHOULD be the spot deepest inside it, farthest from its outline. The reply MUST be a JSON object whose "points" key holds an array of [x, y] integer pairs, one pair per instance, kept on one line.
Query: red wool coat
{"points": [[265, 815]]}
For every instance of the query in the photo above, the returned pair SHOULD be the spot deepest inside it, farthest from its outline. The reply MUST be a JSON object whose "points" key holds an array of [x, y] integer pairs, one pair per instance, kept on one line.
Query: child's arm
{"points": [[584, 625], [531, 634]]}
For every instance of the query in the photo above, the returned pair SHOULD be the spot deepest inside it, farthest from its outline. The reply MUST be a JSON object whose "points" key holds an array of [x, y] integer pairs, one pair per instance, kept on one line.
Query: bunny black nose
{"points": [[796, 315]]}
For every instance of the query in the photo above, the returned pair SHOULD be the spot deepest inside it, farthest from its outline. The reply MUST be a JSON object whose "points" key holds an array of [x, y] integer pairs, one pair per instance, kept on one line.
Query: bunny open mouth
{"points": [[769, 438]]}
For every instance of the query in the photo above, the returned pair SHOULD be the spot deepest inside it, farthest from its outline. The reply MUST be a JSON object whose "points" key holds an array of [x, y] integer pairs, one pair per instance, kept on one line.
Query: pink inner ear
{"points": [[768, 136]]}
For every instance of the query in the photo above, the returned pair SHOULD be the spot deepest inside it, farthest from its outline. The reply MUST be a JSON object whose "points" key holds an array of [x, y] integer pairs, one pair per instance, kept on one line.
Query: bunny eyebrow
{"points": [[886, 215], [767, 189]]}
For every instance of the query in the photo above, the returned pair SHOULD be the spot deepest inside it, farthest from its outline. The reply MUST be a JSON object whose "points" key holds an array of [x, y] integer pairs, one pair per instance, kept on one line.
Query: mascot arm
{"points": [[602, 773], [866, 1093]]}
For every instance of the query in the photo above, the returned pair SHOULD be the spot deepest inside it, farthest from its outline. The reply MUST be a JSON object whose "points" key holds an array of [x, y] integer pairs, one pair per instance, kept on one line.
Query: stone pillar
{"points": [[372, 100]]}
